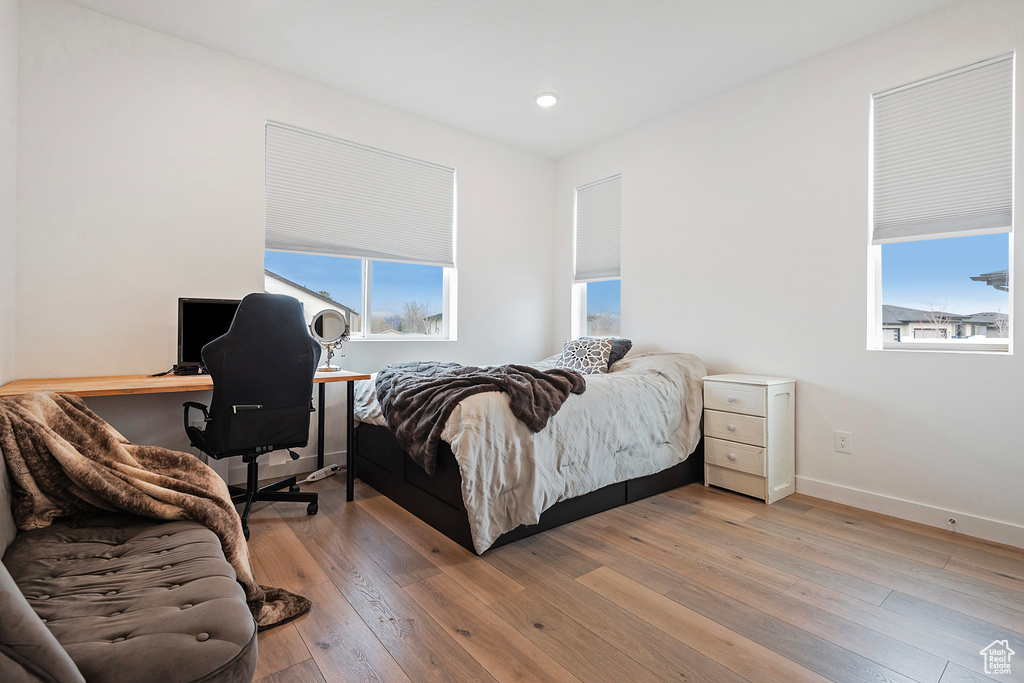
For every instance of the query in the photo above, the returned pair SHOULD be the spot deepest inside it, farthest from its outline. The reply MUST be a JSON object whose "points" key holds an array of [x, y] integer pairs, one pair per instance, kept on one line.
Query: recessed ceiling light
{"points": [[547, 99]]}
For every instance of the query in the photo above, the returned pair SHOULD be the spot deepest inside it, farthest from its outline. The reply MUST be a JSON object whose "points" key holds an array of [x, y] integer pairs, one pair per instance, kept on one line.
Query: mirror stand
{"points": [[330, 328], [330, 346]]}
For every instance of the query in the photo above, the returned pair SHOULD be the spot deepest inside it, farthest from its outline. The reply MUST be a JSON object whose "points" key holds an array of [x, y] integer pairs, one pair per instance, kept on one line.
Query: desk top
{"points": [[120, 385]]}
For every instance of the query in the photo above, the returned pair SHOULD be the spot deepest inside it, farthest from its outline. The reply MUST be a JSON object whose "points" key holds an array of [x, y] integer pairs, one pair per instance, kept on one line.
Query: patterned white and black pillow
{"points": [[586, 356], [620, 347]]}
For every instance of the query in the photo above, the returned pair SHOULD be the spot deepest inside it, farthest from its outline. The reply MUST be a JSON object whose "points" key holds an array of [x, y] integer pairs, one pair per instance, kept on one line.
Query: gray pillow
{"points": [[586, 356], [620, 347]]}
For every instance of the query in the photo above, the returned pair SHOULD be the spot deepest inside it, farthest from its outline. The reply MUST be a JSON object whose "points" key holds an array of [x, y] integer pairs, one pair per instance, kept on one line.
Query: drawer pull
{"points": [[731, 428], [730, 399], [731, 456]]}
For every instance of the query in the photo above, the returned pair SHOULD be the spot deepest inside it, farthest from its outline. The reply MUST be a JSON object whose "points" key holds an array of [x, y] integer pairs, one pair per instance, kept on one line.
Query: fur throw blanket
{"points": [[64, 460], [417, 398]]}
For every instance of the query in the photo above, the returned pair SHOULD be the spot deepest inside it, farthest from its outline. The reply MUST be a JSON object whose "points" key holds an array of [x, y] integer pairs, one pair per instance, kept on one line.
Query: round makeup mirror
{"points": [[330, 328]]}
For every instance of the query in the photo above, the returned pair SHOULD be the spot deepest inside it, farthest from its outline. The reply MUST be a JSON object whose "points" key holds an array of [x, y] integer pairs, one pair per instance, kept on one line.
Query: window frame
{"points": [[579, 307], [449, 309], [875, 325], [449, 325]]}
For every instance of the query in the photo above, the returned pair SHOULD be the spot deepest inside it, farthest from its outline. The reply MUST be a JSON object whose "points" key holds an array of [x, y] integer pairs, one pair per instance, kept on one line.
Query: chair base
{"points": [[270, 493]]}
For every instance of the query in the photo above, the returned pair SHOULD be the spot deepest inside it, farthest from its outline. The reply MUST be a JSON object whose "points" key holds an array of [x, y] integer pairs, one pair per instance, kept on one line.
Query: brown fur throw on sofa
{"points": [[64, 460]]}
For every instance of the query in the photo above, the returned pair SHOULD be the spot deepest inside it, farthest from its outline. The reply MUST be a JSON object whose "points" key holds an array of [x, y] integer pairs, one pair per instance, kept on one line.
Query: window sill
{"points": [[950, 347], [405, 339]]}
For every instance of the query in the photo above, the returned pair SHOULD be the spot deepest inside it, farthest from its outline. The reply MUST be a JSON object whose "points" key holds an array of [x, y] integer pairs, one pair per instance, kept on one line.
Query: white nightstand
{"points": [[749, 435]]}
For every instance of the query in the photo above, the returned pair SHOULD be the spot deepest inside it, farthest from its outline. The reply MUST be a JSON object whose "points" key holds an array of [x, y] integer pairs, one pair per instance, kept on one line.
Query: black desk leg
{"points": [[320, 426], [350, 440]]}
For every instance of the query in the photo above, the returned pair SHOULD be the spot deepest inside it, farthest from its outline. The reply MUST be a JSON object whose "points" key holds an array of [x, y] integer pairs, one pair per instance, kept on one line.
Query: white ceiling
{"points": [[476, 64]]}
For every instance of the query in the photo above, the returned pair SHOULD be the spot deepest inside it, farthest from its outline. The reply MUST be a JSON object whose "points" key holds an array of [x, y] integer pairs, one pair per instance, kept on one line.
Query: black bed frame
{"points": [[437, 500]]}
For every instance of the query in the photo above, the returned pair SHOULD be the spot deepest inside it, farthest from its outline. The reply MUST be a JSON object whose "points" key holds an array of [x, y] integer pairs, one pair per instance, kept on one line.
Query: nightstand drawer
{"points": [[735, 481], [735, 456], [734, 427], [734, 398]]}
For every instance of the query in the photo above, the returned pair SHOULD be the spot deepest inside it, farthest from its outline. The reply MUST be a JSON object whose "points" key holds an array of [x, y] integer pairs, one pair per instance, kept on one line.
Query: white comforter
{"points": [[641, 418]]}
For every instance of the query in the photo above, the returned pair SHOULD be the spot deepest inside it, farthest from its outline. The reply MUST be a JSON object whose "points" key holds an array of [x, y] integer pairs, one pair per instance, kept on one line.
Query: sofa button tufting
{"points": [[166, 567], [186, 606], [112, 593], [44, 597], [203, 637]]}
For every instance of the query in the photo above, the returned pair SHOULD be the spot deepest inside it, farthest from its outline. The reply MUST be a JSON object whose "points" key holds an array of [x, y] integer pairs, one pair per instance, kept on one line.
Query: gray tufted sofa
{"points": [[119, 598]]}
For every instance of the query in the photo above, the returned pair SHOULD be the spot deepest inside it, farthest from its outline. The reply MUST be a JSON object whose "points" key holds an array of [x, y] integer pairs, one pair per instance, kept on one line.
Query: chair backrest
{"points": [[262, 373]]}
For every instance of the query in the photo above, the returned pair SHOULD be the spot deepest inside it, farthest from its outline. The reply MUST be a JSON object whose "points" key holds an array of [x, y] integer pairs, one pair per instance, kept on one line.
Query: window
{"points": [[319, 282], [942, 211], [362, 230], [597, 235], [603, 308], [406, 299], [937, 289]]}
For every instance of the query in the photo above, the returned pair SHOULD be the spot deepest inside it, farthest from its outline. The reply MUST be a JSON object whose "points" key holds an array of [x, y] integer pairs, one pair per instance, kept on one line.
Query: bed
{"points": [[633, 433]]}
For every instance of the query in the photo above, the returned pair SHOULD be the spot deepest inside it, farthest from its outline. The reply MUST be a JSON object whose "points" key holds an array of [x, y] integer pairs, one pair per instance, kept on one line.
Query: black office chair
{"points": [[262, 373]]}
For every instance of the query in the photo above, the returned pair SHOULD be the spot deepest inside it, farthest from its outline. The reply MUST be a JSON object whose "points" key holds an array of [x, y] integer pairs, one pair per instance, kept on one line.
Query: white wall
{"points": [[745, 241], [8, 144], [140, 180]]}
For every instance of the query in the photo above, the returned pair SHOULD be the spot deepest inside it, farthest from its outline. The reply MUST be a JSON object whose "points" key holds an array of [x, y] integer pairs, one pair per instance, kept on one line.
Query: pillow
{"points": [[586, 356], [620, 347]]}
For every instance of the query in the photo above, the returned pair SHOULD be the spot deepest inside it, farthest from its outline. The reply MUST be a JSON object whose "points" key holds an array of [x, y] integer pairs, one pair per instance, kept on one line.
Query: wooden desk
{"points": [[122, 385]]}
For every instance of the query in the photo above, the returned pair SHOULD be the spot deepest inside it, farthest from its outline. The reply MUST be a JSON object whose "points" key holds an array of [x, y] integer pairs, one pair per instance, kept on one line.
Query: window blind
{"points": [[329, 196], [943, 155], [598, 229]]}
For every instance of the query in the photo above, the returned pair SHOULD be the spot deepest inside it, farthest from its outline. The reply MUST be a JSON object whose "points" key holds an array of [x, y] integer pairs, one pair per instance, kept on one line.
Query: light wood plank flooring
{"points": [[693, 585]]}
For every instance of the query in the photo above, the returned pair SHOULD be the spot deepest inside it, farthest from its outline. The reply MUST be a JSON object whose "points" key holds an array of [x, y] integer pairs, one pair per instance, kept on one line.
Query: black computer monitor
{"points": [[200, 321]]}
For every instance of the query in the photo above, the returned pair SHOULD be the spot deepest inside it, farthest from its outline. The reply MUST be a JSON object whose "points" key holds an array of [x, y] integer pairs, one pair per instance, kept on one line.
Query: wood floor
{"points": [[693, 585]]}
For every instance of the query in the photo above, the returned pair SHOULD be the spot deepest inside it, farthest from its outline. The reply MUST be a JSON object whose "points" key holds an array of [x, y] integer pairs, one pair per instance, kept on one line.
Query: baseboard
{"points": [[966, 524], [305, 463]]}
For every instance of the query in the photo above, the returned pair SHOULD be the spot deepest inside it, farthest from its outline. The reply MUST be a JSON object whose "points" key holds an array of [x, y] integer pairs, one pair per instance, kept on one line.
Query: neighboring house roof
{"points": [[986, 318], [900, 315], [436, 316], [999, 279], [318, 295]]}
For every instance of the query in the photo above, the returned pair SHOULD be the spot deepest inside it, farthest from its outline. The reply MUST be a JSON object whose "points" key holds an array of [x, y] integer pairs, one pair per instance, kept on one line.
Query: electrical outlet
{"points": [[843, 442]]}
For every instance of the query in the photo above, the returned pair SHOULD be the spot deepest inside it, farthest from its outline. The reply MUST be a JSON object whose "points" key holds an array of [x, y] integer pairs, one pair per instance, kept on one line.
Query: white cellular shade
{"points": [[598, 229], [329, 196], [943, 155]]}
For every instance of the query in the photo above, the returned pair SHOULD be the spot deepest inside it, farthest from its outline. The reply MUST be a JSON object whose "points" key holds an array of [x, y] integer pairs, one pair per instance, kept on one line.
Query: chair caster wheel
{"points": [[245, 532], [294, 488], [312, 509]]}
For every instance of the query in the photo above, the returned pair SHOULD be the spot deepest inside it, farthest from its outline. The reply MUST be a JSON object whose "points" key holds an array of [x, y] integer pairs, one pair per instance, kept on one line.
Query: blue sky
{"points": [[393, 283], [604, 297], [930, 275], [936, 274]]}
